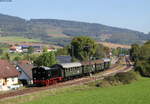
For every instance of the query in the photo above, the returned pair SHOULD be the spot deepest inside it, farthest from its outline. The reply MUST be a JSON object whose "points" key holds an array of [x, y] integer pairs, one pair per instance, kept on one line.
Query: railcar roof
{"points": [[88, 63], [99, 61], [92, 62], [106, 59], [44, 68], [69, 65]]}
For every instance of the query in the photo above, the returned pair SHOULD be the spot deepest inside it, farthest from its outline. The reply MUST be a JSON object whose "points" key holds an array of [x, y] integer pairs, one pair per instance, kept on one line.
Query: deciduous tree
{"points": [[82, 48], [46, 59]]}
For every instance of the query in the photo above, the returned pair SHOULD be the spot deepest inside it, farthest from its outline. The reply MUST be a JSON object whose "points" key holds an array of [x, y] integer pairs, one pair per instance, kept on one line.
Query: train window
{"points": [[49, 75], [55, 73], [34, 71], [66, 70]]}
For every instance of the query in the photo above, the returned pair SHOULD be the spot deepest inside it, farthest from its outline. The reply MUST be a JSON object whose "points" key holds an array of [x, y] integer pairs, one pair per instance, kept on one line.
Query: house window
{"points": [[17, 68], [13, 79], [5, 81]]}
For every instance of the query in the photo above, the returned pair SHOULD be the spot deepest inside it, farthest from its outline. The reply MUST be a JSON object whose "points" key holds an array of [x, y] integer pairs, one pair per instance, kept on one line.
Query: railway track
{"points": [[113, 70]]}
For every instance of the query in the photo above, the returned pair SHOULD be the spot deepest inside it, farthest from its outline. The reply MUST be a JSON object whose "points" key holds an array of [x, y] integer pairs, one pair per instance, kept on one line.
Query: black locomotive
{"points": [[66, 71]]}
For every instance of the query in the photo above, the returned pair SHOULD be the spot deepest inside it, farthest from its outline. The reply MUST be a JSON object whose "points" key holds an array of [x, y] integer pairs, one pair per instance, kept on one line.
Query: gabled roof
{"points": [[13, 48], [26, 66], [7, 69]]}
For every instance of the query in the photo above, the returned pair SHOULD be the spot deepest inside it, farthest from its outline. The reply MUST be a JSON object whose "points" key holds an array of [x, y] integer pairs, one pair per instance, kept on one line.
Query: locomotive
{"points": [[44, 76]]}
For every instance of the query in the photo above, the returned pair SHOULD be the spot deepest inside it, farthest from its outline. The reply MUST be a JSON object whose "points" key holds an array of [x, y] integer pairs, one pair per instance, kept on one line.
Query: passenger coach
{"points": [[66, 71]]}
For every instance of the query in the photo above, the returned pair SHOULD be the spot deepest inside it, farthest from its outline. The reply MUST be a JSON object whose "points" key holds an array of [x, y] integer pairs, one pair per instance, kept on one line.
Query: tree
{"points": [[46, 59], [1, 51], [141, 57], [82, 48], [30, 57], [100, 52], [135, 52], [107, 51], [45, 49], [6, 56], [62, 51], [30, 50], [17, 58], [145, 51]]}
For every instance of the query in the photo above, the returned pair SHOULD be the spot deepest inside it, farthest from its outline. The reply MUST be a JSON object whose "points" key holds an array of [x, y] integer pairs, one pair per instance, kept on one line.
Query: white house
{"points": [[14, 49], [8, 75]]}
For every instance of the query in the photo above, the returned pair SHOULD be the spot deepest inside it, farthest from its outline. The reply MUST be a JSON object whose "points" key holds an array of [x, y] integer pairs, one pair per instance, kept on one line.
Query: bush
{"points": [[104, 83], [143, 67], [126, 77], [118, 79]]}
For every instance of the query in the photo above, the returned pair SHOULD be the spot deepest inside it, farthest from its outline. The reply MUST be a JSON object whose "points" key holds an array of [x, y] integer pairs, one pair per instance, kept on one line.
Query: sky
{"points": [[131, 14]]}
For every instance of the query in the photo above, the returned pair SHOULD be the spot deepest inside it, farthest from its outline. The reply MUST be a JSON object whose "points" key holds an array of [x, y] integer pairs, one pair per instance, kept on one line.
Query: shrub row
{"points": [[118, 79]]}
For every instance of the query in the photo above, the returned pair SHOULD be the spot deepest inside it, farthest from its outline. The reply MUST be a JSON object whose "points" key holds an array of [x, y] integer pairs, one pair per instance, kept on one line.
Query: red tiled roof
{"points": [[7, 69], [13, 48]]}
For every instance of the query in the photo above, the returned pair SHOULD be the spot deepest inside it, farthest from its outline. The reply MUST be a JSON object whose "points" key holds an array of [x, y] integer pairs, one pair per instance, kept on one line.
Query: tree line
{"points": [[140, 54]]}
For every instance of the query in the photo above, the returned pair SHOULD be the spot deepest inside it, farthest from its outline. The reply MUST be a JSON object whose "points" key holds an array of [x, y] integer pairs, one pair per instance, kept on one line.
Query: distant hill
{"points": [[60, 32]]}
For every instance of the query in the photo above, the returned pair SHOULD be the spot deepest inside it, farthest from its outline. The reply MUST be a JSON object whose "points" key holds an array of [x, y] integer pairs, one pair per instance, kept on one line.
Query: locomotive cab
{"points": [[45, 75]]}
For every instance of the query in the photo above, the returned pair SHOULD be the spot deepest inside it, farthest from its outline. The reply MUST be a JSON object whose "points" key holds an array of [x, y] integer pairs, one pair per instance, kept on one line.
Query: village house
{"points": [[24, 48], [51, 49], [8, 75], [37, 49], [14, 49], [25, 69]]}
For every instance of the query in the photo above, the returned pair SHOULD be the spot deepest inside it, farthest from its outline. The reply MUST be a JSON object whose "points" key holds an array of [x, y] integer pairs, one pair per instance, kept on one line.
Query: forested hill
{"points": [[61, 31]]}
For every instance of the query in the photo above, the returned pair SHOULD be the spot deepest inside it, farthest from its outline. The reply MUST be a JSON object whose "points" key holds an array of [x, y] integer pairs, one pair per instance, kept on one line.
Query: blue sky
{"points": [[132, 14]]}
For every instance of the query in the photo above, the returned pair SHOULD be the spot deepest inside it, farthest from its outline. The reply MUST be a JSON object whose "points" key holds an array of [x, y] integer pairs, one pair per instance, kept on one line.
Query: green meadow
{"points": [[136, 93], [17, 39]]}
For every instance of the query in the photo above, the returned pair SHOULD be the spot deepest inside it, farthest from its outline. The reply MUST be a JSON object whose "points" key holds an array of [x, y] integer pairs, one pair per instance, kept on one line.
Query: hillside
{"points": [[60, 32], [113, 45]]}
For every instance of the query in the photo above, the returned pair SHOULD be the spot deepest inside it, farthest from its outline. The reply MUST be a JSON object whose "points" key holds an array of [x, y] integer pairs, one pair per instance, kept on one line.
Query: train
{"points": [[44, 76]]}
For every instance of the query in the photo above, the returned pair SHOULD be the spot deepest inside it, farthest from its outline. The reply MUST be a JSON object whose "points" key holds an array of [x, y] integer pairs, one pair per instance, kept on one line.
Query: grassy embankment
{"points": [[135, 93]]}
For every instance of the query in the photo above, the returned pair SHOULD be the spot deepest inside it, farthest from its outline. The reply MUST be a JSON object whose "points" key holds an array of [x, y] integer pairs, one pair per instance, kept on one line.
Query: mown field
{"points": [[17, 39], [135, 93]]}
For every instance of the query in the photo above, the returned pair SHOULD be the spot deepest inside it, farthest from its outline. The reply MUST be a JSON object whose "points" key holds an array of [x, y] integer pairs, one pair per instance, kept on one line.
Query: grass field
{"points": [[16, 39], [135, 93]]}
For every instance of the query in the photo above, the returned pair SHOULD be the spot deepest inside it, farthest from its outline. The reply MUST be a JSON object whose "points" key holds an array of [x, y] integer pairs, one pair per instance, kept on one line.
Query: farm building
{"points": [[8, 75], [25, 69]]}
